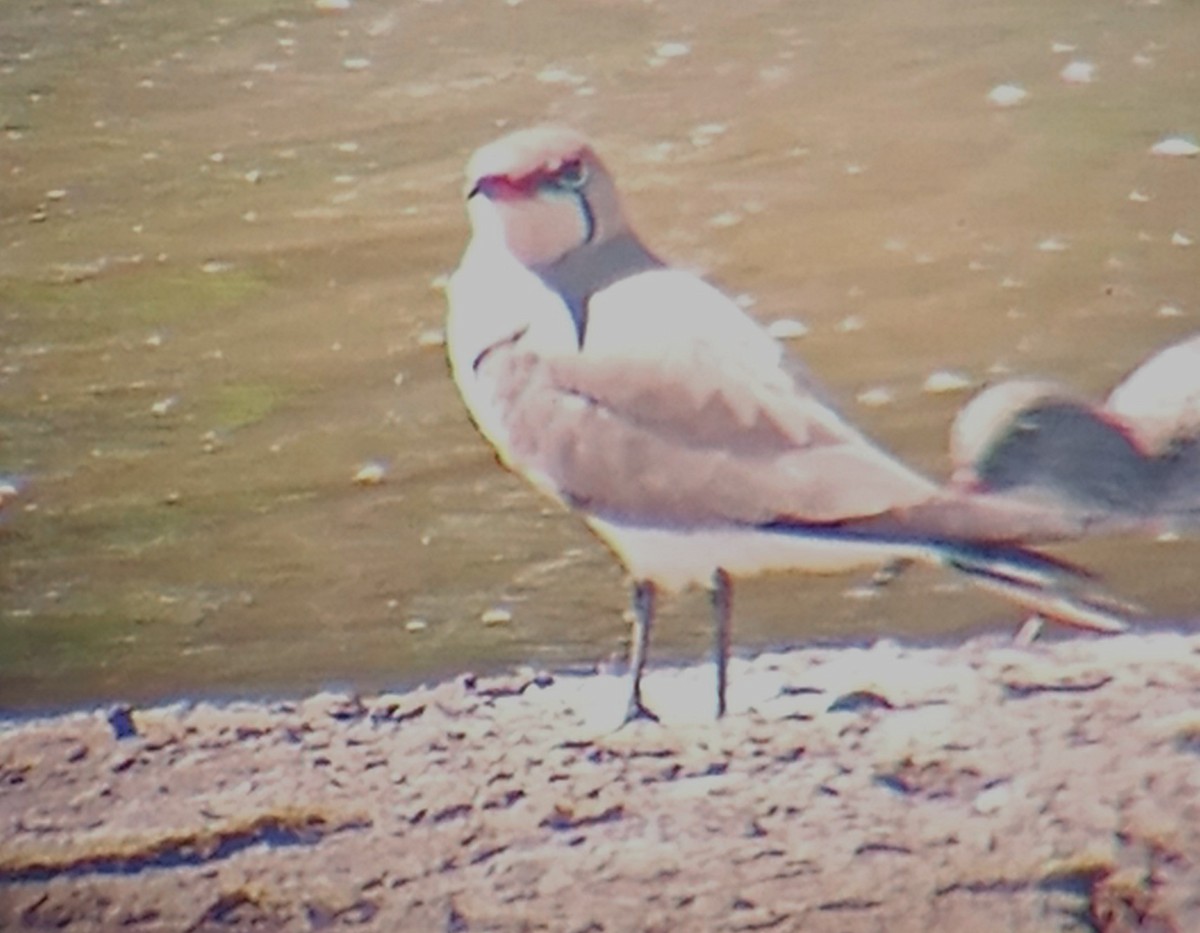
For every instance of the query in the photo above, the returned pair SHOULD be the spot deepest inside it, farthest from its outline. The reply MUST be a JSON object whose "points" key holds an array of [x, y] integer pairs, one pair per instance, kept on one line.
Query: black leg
{"points": [[643, 618], [722, 606]]}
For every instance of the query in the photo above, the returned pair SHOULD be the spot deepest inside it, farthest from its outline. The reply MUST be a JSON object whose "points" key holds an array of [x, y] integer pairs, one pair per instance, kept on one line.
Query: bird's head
{"points": [[543, 193]]}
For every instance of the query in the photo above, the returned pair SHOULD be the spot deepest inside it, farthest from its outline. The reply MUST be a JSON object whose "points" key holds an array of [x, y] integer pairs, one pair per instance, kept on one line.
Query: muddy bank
{"points": [[981, 787]]}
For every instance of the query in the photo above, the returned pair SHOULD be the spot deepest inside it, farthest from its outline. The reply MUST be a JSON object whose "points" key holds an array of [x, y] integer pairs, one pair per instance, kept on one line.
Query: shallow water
{"points": [[224, 225]]}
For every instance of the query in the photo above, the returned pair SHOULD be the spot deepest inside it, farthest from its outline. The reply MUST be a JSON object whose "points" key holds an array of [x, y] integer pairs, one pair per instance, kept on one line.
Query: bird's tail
{"points": [[1049, 587]]}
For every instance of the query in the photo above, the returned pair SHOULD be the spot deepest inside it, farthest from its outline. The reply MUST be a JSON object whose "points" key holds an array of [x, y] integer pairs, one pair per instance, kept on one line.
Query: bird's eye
{"points": [[573, 175]]}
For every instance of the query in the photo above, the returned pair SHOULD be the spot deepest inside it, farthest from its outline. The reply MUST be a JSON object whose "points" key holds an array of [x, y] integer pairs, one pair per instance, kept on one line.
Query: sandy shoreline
{"points": [[980, 786]]}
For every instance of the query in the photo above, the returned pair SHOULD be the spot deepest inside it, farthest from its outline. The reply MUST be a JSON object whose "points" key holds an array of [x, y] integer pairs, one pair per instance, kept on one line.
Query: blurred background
{"points": [[241, 466]]}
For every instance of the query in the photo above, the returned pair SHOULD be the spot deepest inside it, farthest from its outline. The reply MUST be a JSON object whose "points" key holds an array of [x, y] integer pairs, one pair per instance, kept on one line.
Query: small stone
{"points": [[356, 64], [672, 49], [370, 474], [1007, 95], [946, 381], [497, 615], [416, 625], [1052, 244], [559, 76], [8, 492], [1175, 146], [1078, 72], [992, 798], [433, 337], [120, 718], [876, 397], [787, 329], [1179, 238]]}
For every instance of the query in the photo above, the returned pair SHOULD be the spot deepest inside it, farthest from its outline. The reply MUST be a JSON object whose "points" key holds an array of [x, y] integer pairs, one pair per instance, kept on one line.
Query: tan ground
{"points": [[981, 787]]}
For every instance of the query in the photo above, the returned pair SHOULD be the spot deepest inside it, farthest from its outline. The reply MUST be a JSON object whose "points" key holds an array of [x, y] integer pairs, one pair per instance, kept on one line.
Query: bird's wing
{"points": [[677, 441]]}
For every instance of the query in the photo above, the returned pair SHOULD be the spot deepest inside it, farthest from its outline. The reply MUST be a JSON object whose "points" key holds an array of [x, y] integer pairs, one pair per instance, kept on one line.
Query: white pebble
{"points": [[1007, 95], [163, 406], [1052, 244], [1175, 146], [1170, 311], [433, 337], [356, 64], [56, 194], [333, 5], [944, 380], [708, 130], [787, 329], [1062, 47], [370, 474], [1138, 197], [876, 397], [672, 49], [851, 324], [8, 492], [1078, 72], [559, 76], [416, 625], [254, 176], [496, 616], [992, 799], [1179, 238]]}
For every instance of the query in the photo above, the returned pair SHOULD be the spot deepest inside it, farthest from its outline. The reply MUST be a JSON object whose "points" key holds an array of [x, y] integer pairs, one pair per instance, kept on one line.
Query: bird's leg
{"points": [[643, 618], [722, 607]]}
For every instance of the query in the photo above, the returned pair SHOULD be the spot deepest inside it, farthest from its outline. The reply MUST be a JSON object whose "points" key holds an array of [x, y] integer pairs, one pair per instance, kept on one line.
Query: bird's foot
{"points": [[637, 711]]}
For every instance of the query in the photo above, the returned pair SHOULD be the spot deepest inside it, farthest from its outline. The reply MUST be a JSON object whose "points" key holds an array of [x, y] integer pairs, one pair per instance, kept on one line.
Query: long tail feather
{"points": [[1042, 584]]}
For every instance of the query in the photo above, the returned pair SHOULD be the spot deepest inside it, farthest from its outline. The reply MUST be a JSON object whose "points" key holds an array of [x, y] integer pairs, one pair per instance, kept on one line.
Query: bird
{"points": [[1131, 462], [644, 399], [1040, 440]]}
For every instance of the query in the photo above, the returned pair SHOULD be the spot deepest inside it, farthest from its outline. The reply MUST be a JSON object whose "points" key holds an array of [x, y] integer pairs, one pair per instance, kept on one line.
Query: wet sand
{"points": [[983, 787]]}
